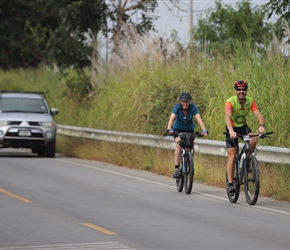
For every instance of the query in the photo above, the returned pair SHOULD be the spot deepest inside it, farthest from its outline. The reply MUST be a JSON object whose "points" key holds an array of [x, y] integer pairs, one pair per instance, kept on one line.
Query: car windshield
{"points": [[22, 105]]}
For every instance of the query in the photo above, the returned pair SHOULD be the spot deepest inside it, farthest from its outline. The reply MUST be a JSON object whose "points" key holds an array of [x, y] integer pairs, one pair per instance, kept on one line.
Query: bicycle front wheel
{"points": [[188, 175], [180, 179], [233, 198], [179, 183], [252, 180]]}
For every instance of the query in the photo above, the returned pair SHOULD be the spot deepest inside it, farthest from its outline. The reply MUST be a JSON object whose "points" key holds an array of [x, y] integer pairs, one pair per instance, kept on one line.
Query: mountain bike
{"points": [[185, 179], [246, 171]]}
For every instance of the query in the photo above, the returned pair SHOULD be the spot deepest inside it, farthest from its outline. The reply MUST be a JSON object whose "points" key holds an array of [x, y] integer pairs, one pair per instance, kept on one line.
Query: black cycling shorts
{"points": [[231, 143]]}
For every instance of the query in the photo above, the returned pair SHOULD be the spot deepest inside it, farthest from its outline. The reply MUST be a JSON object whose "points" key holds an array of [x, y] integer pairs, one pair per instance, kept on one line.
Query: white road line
{"points": [[91, 246]]}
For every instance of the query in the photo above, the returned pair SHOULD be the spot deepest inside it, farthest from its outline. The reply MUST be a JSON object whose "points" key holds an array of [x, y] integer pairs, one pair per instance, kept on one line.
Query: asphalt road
{"points": [[66, 203]]}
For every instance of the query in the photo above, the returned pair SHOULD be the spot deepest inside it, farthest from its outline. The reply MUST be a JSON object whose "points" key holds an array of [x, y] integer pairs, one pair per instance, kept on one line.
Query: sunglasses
{"points": [[244, 90]]}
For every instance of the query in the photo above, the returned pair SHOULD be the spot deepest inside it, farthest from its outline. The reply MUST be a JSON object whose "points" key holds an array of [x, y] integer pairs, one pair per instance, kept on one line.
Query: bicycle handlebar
{"points": [[198, 134], [264, 135]]}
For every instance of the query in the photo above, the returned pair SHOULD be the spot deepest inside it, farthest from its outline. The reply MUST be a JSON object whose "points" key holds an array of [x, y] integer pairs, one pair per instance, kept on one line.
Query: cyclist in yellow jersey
{"points": [[236, 110]]}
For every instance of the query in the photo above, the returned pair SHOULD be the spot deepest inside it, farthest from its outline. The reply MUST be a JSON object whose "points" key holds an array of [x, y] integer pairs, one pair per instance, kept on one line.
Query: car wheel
{"points": [[50, 149]]}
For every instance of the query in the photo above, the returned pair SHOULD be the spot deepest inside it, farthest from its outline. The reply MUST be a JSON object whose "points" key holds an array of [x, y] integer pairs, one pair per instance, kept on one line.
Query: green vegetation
{"points": [[220, 29], [139, 98]]}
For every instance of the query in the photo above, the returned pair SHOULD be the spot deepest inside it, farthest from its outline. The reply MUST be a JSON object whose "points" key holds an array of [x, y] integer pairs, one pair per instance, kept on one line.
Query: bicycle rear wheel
{"points": [[252, 180], [233, 198], [188, 175]]}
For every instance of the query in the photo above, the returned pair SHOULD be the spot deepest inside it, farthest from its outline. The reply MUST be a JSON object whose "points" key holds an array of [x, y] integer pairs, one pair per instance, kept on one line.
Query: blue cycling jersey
{"points": [[184, 122]]}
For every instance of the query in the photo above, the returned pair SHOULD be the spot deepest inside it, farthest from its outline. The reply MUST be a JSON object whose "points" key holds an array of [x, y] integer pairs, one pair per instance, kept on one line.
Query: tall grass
{"points": [[144, 95]]}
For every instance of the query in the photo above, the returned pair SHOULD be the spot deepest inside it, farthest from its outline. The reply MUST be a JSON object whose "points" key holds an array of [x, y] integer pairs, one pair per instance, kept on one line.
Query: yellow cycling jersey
{"points": [[239, 113]]}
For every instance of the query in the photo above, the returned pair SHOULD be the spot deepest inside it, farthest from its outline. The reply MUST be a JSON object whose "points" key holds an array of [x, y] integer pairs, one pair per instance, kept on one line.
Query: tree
{"points": [[64, 33], [225, 25], [20, 21], [282, 10], [278, 7], [74, 43], [128, 18], [79, 21]]}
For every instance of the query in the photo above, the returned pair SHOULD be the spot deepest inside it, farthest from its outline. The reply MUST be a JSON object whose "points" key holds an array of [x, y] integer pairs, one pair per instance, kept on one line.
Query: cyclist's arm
{"points": [[171, 121], [260, 117], [200, 122], [260, 120], [228, 121]]}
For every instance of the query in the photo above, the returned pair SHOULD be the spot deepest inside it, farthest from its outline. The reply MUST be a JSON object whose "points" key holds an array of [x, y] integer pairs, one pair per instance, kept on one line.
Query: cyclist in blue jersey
{"points": [[181, 120]]}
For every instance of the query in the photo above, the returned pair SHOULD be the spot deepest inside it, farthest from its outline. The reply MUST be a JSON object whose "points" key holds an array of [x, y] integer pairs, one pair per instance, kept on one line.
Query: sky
{"points": [[180, 20]]}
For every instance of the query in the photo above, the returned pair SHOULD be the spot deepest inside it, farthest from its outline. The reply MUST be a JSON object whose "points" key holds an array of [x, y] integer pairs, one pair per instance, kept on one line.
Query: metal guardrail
{"points": [[264, 153]]}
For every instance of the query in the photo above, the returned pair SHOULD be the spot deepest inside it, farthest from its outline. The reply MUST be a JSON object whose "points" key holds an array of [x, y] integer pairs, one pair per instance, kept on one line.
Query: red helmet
{"points": [[241, 84]]}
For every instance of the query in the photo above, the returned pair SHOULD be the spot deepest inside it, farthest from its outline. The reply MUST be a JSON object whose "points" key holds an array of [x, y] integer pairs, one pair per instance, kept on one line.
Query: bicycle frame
{"points": [[185, 180], [183, 156], [241, 157]]}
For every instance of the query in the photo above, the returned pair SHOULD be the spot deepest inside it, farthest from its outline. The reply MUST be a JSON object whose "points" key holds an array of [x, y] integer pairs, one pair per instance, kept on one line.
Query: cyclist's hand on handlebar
{"points": [[233, 134], [170, 131], [204, 133], [261, 130]]}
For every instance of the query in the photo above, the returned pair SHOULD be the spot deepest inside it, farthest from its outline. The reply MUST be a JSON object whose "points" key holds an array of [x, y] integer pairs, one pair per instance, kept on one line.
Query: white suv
{"points": [[26, 122]]}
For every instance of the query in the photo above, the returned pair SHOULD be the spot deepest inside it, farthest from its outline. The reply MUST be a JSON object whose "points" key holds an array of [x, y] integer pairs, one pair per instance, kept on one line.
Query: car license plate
{"points": [[24, 133]]}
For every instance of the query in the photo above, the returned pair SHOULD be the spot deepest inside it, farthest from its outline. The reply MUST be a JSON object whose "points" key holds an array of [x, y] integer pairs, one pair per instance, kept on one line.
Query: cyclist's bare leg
{"points": [[230, 163], [253, 142], [177, 152]]}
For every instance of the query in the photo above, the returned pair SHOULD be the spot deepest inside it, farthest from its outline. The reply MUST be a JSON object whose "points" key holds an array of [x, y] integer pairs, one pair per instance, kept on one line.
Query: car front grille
{"points": [[19, 122], [15, 134]]}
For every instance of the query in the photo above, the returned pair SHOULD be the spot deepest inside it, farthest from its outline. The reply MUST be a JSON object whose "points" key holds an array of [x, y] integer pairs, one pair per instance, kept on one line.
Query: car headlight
{"points": [[47, 124], [3, 123]]}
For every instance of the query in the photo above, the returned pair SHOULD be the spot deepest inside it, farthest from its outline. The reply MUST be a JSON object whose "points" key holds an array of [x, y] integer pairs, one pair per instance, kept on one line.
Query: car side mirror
{"points": [[54, 111]]}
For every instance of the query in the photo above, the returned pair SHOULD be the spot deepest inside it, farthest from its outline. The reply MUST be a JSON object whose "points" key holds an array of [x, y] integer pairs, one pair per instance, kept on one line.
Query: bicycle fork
{"points": [[241, 167], [183, 167]]}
